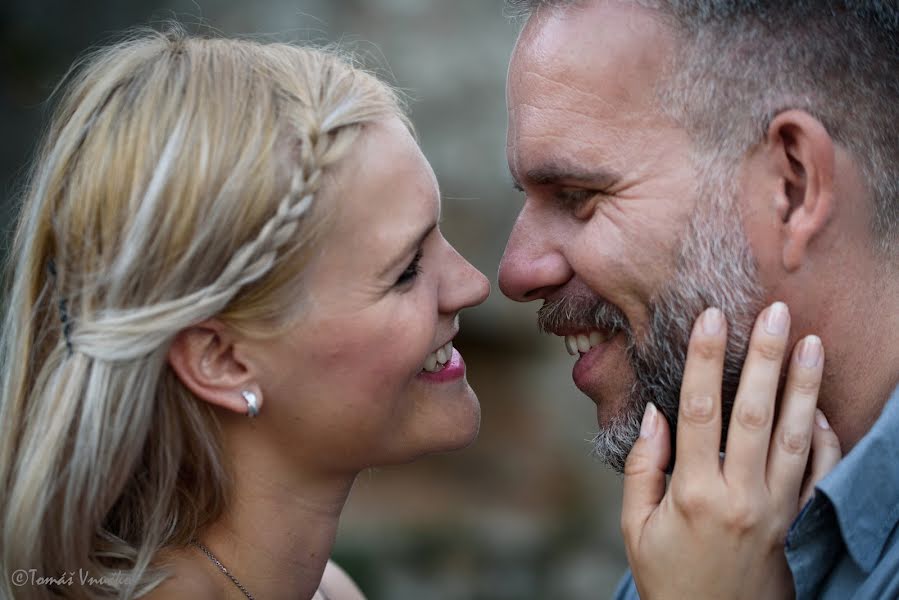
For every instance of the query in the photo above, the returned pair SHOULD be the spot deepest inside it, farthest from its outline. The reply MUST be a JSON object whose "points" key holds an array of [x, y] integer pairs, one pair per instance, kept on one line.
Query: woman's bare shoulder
{"points": [[337, 585]]}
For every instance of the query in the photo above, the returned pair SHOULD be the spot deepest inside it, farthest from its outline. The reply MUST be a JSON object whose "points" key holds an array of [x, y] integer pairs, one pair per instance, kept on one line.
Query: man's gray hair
{"points": [[741, 62]]}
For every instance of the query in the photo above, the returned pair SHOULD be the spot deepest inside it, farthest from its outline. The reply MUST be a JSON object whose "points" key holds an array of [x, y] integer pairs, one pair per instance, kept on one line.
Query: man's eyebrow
{"points": [[598, 177], [408, 249]]}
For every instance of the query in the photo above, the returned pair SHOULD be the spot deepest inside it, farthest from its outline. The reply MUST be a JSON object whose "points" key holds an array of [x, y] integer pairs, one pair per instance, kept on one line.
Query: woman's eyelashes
{"points": [[411, 271]]}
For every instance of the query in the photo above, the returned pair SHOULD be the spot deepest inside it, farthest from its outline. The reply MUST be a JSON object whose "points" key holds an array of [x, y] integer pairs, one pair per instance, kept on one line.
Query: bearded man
{"points": [[681, 154]]}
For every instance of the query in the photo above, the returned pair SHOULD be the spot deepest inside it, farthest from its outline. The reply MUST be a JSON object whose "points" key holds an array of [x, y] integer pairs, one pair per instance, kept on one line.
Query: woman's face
{"points": [[346, 387]]}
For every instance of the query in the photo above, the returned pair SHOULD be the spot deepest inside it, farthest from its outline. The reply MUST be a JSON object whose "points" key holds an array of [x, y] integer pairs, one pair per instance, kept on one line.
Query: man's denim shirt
{"points": [[845, 542]]}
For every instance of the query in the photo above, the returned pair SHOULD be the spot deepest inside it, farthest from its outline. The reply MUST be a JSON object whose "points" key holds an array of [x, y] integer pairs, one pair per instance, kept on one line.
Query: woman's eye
{"points": [[411, 272]]}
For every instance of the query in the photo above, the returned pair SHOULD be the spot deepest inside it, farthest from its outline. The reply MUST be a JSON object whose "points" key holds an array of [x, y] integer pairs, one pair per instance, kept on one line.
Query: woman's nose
{"points": [[465, 287]]}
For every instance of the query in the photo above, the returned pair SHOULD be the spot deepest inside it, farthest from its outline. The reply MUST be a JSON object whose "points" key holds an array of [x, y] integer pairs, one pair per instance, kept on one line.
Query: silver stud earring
{"points": [[252, 403]]}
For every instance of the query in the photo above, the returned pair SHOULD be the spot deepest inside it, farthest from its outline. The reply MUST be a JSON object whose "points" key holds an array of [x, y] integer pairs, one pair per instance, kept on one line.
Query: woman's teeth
{"points": [[582, 342], [437, 360]]}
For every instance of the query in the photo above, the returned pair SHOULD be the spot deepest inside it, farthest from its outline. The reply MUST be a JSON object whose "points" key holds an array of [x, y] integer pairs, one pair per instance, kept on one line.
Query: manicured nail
{"points": [[821, 420], [810, 351], [711, 321], [777, 319], [650, 421]]}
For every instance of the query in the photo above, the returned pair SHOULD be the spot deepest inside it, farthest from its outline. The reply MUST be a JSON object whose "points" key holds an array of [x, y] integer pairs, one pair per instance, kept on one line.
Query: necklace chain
{"points": [[223, 568]]}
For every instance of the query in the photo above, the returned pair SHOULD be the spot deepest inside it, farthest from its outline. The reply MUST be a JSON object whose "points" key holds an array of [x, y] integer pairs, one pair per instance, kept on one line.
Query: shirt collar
{"points": [[864, 488]]}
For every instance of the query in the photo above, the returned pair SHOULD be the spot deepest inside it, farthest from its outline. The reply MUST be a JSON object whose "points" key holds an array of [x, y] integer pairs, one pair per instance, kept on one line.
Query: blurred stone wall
{"points": [[525, 513]]}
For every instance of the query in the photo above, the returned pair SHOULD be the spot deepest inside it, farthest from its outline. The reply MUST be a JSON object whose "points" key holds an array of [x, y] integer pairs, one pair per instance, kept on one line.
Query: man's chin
{"points": [[612, 444], [619, 427]]}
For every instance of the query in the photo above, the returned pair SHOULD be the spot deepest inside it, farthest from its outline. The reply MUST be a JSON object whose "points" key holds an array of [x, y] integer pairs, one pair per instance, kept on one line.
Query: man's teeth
{"points": [[581, 343], [437, 360]]}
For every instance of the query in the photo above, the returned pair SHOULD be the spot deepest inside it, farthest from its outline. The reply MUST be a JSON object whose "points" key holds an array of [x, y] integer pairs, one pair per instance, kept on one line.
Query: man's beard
{"points": [[714, 267]]}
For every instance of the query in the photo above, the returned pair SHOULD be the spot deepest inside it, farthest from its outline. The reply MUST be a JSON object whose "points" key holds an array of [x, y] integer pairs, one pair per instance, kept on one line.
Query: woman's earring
{"points": [[252, 403]]}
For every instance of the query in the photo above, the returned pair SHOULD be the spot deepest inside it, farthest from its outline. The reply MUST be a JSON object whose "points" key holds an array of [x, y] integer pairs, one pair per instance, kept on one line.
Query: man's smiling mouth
{"points": [[581, 343]]}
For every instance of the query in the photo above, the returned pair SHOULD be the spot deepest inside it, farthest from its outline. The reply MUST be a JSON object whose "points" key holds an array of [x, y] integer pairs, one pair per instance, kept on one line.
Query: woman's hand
{"points": [[719, 529]]}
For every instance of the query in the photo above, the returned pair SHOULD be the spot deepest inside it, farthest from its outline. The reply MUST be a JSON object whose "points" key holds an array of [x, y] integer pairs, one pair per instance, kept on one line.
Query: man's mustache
{"points": [[579, 312]]}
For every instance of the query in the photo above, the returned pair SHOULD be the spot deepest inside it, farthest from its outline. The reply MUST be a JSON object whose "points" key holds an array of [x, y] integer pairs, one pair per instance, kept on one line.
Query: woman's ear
{"points": [[803, 156], [204, 359]]}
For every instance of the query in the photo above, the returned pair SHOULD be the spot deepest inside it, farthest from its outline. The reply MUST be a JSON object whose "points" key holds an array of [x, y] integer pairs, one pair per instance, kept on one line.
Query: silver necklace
{"points": [[223, 568]]}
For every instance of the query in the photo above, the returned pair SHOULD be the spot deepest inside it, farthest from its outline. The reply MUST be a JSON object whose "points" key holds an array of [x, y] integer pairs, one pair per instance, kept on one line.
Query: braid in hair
{"points": [[150, 326], [144, 330]]}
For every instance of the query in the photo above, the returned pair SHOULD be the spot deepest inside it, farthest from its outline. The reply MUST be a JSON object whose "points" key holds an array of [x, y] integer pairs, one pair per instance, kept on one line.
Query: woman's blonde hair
{"points": [[181, 178]]}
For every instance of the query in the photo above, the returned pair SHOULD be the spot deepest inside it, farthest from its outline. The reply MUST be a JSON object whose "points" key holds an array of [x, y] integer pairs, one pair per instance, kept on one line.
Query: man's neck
{"points": [[861, 368]]}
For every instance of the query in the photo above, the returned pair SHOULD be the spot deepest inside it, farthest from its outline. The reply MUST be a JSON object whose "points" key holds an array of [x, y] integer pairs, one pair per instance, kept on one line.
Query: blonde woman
{"points": [[229, 295]]}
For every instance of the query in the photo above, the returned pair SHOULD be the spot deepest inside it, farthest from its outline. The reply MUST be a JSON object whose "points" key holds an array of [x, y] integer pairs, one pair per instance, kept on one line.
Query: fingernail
{"points": [[711, 321], [650, 421], [810, 351], [777, 319], [821, 420]]}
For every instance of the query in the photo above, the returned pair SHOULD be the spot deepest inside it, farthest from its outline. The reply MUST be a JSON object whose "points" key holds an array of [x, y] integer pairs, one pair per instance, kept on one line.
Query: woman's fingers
{"points": [[790, 445], [826, 453], [718, 532], [644, 474], [699, 415], [749, 431]]}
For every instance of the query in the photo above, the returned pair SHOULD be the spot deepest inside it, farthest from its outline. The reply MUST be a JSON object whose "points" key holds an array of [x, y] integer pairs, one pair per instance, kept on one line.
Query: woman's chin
{"points": [[465, 438], [454, 434], [465, 427]]}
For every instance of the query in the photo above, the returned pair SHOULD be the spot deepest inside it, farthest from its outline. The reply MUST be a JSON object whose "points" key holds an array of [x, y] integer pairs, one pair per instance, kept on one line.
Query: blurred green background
{"points": [[525, 513]]}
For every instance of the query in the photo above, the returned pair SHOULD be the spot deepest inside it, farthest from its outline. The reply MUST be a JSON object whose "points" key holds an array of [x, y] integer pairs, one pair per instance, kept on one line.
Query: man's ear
{"points": [[803, 157], [204, 359]]}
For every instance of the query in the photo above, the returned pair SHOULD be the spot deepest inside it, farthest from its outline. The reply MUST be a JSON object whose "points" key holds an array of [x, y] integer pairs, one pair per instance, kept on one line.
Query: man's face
{"points": [[619, 235]]}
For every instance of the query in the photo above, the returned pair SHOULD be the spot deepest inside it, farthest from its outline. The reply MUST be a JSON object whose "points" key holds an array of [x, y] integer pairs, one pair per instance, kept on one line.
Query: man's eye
{"points": [[578, 202], [411, 272]]}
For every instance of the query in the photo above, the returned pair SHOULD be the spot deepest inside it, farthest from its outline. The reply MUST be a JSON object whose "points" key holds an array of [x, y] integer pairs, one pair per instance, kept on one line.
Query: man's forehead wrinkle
{"points": [[541, 114], [588, 97], [581, 149], [577, 135], [539, 97]]}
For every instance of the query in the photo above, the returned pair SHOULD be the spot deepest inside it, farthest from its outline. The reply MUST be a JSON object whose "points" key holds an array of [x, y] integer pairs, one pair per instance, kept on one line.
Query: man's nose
{"points": [[533, 265]]}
